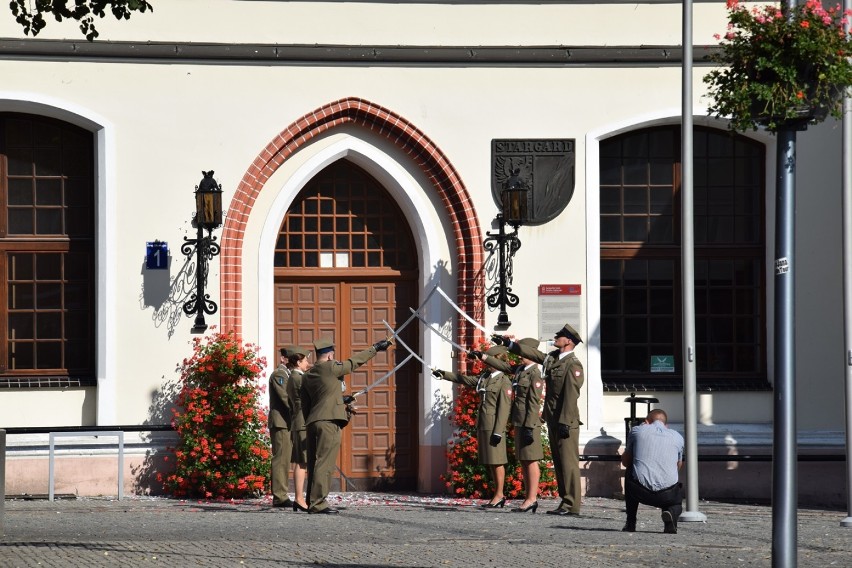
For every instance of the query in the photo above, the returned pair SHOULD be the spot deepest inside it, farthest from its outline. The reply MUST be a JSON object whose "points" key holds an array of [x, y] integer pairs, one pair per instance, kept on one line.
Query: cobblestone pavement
{"points": [[396, 530]]}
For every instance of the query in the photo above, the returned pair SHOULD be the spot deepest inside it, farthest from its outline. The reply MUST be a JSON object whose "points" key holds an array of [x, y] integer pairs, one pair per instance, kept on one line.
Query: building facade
{"points": [[353, 145]]}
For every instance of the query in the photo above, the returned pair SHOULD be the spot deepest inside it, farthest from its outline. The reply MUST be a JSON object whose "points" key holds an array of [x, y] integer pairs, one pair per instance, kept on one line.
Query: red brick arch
{"points": [[422, 151]]}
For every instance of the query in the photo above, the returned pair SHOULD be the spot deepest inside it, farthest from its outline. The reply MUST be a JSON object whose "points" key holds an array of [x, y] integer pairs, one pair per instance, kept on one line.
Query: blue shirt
{"points": [[656, 451]]}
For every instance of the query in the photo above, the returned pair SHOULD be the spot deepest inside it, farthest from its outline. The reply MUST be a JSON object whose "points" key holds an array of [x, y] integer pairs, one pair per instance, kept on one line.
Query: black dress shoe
{"points": [[288, 503], [501, 503], [533, 508], [563, 513], [297, 507], [629, 527], [326, 511]]}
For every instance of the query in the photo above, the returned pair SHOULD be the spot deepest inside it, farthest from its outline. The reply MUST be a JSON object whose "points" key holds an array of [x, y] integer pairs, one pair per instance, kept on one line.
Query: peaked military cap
{"points": [[530, 342], [296, 350], [570, 333], [323, 346], [496, 350]]}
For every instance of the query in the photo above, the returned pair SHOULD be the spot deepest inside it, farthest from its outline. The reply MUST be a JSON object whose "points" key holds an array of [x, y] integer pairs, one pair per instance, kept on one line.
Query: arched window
{"points": [[46, 253], [640, 220]]}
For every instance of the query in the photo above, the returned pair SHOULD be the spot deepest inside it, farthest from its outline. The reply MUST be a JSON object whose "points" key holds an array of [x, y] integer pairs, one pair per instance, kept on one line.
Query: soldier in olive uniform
{"points": [[297, 362], [526, 417], [495, 390], [325, 414], [279, 432], [564, 377]]}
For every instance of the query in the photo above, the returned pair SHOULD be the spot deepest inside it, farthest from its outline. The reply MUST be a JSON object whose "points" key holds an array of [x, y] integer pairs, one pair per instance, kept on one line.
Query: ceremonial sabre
{"points": [[401, 342], [375, 383], [464, 314], [408, 321], [438, 332]]}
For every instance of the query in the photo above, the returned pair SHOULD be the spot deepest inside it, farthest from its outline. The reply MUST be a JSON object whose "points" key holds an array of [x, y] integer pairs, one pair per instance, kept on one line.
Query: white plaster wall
{"points": [[401, 23]]}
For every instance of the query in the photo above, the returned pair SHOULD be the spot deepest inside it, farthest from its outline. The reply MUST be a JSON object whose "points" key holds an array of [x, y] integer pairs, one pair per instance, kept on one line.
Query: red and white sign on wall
{"points": [[559, 304]]}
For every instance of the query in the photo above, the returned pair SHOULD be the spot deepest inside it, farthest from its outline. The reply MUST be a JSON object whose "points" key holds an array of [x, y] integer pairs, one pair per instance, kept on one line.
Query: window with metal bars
{"points": [[344, 218], [640, 220], [46, 253]]}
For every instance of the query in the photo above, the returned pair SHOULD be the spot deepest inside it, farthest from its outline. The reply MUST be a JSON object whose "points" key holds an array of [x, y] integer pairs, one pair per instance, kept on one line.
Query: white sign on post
{"points": [[558, 304]]}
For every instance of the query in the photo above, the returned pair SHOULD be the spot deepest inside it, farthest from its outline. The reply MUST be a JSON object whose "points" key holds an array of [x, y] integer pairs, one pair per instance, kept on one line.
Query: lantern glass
{"points": [[208, 208], [514, 206]]}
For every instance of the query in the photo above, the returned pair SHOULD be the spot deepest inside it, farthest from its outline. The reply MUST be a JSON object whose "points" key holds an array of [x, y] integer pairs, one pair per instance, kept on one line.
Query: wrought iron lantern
{"points": [[208, 216], [514, 212]]}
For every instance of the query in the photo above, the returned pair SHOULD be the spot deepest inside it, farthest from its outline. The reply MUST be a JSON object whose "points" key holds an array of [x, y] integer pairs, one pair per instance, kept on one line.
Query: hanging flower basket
{"points": [[781, 70]]}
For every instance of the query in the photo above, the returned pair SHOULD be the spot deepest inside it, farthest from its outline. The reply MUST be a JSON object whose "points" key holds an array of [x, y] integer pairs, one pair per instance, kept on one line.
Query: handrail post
{"points": [[2, 477]]}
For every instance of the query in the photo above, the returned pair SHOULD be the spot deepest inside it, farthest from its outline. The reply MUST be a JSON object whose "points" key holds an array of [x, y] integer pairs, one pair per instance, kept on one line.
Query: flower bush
{"points": [[467, 478], [778, 70], [223, 450]]}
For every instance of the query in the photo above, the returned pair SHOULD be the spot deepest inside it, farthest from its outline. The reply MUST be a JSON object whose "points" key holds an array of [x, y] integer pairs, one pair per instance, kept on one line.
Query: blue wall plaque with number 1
{"points": [[157, 255]]}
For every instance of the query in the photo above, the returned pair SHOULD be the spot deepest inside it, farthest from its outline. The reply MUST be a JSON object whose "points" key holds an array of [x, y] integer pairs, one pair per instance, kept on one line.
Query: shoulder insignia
{"points": [[577, 373], [509, 392], [280, 380], [538, 384]]}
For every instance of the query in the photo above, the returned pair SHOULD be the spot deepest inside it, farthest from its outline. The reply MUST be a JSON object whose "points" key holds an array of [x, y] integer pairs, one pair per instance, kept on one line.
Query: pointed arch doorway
{"points": [[344, 261]]}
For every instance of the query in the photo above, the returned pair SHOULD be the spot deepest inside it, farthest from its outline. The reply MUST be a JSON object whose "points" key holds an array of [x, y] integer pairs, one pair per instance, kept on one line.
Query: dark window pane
{"points": [[635, 200], [77, 355], [311, 260], [637, 359], [662, 330], [49, 222], [747, 358], [294, 223], [47, 162], [310, 207], [342, 225], [661, 201], [21, 221], [611, 229], [342, 242], [635, 273], [311, 242], [21, 355], [662, 229], [49, 266], [21, 266], [662, 301], [280, 259], [635, 171], [610, 200], [720, 358], [295, 242], [358, 259], [661, 172], [746, 301], [78, 267], [21, 326], [20, 191], [721, 300], [326, 242], [295, 259], [49, 325], [610, 301], [49, 355], [721, 330], [327, 224], [21, 296], [635, 229], [610, 171], [746, 331], [77, 325], [635, 301], [49, 191], [374, 259], [358, 241], [635, 330], [48, 296], [311, 224], [610, 330], [78, 222], [610, 272], [326, 207], [20, 161], [77, 296]]}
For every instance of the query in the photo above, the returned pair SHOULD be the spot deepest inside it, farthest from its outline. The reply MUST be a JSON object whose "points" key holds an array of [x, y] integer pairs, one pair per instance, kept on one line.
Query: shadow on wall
{"points": [[167, 295], [603, 478], [157, 463]]}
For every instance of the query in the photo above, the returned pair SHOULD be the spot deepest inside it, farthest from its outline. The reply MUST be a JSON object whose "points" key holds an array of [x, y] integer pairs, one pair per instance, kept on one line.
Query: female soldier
{"points": [[526, 407], [495, 390], [297, 362]]}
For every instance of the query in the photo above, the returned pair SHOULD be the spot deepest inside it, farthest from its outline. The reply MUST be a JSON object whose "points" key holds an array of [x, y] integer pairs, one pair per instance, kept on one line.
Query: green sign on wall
{"points": [[662, 364]]}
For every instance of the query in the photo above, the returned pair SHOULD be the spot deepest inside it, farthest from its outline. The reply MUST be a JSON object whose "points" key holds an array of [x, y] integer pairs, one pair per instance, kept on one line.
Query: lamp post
{"points": [[514, 212], [208, 215]]}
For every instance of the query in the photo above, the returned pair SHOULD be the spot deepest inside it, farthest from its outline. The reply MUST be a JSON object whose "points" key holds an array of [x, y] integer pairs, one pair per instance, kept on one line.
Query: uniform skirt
{"points": [[300, 446], [488, 454], [530, 452]]}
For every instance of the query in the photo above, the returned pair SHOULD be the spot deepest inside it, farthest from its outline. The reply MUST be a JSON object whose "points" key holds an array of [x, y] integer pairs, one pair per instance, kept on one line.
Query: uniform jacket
{"points": [[279, 408], [294, 397], [495, 402], [322, 396], [563, 380], [526, 406]]}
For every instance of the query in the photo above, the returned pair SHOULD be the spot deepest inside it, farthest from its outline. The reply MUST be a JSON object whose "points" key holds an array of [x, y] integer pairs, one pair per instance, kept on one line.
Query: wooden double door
{"points": [[379, 446]]}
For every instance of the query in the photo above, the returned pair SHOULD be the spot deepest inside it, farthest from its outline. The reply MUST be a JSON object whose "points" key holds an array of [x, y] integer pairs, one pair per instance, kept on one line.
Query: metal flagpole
{"points": [[847, 283], [690, 421]]}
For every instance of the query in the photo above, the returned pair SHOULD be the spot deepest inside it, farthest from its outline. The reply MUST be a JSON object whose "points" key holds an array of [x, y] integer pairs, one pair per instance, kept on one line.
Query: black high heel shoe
{"points": [[533, 508], [501, 503], [297, 507]]}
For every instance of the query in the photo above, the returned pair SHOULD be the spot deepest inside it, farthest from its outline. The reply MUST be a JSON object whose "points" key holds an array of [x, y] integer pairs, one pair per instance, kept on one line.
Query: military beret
{"points": [[496, 350], [570, 333], [530, 342], [323, 346]]}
